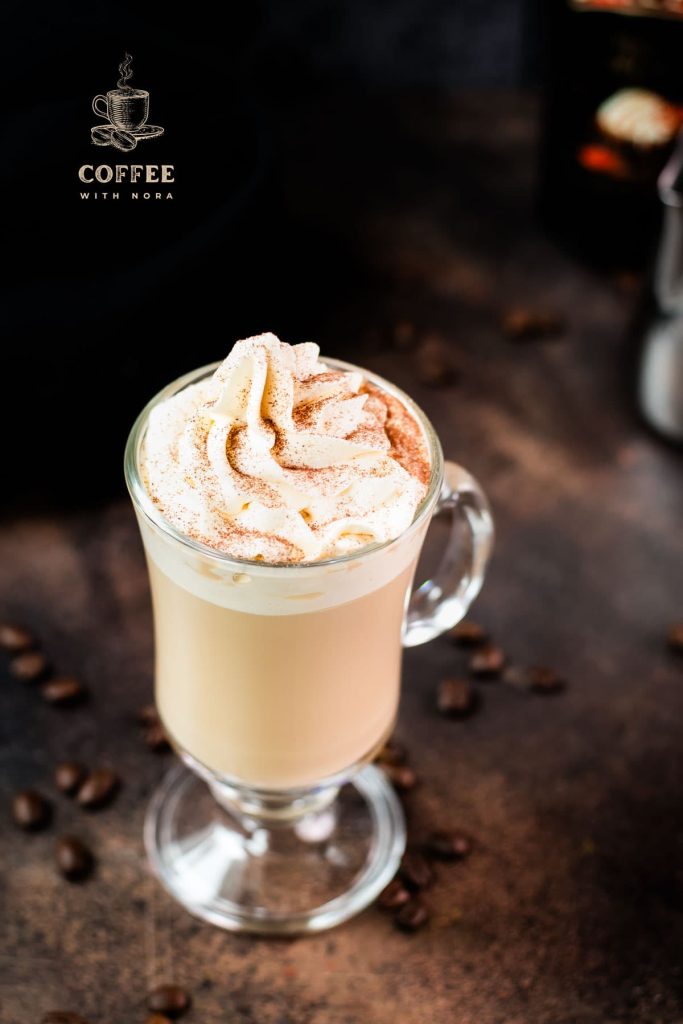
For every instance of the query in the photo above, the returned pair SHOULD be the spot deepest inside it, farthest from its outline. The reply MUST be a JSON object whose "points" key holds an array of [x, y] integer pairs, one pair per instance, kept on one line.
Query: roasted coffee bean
{"points": [[545, 680], [468, 634], [675, 637], [400, 776], [523, 324], [98, 789], [158, 1018], [68, 776], [74, 859], [451, 845], [62, 1017], [393, 753], [435, 366], [456, 698], [487, 662], [30, 810], [395, 895], [15, 638], [537, 679], [415, 870], [172, 1000], [412, 916], [29, 666], [63, 691], [156, 739]]}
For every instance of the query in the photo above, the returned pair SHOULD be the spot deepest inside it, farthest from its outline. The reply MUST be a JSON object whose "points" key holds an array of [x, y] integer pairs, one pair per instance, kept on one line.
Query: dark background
{"points": [[105, 301]]}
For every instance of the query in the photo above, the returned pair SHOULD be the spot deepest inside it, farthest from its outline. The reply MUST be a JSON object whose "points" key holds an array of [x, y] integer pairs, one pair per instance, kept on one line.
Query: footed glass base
{"points": [[257, 873]]}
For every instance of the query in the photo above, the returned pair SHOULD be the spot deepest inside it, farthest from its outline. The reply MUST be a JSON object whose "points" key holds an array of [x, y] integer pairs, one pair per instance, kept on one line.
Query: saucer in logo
{"points": [[108, 135], [125, 110]]}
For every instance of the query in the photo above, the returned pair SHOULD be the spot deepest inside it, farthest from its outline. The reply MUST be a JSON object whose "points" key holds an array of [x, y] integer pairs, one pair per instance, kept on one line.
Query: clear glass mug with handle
{"points": [[278, 684]]}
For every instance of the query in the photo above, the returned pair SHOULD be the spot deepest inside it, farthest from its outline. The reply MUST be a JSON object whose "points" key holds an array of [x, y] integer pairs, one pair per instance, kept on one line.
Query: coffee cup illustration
{"points": [[126, 111]]}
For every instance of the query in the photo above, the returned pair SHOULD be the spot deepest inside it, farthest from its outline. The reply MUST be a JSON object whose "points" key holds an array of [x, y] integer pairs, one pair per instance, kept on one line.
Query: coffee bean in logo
{"points": [[100, 135], [123, 140], [108, 135]]}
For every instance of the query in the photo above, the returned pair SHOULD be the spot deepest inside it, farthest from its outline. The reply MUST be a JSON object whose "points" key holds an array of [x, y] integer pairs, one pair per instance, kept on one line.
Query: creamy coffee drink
{"points": [[278, 622]]}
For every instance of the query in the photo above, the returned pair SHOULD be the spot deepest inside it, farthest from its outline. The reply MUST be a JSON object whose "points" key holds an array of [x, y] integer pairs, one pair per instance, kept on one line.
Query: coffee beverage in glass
{"points": [[283, 502]]}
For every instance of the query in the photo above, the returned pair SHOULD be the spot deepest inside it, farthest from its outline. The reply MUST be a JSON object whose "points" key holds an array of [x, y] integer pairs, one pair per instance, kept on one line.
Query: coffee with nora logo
{"points": [[125, 111]]}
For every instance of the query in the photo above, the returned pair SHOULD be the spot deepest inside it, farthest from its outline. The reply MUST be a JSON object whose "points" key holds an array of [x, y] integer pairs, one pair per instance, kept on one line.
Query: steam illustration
{"points": [[125, 111], [125, 72]]}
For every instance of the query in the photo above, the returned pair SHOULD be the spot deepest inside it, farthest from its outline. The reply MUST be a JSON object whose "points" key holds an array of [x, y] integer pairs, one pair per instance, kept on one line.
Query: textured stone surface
{"points": [[569, 909]]}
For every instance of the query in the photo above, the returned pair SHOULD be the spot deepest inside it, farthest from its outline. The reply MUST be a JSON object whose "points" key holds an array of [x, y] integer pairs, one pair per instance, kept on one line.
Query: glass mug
{"points": [[278, 684]]}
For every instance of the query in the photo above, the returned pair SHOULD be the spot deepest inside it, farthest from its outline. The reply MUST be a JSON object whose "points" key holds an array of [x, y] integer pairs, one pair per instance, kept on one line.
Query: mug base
{"points": [[246, 877]]}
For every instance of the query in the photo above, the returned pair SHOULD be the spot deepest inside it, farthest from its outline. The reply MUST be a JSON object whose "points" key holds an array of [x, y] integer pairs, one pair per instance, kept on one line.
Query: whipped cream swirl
{"points": [[277, 457]]}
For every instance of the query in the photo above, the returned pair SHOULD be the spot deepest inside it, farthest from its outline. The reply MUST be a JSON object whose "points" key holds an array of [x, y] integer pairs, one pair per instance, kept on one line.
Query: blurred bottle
{"points": [[612, 108], [660, 370]]}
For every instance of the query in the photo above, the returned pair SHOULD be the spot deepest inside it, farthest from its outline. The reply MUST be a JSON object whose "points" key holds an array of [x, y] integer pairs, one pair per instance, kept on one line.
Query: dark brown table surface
{"points": [[570, 908]]}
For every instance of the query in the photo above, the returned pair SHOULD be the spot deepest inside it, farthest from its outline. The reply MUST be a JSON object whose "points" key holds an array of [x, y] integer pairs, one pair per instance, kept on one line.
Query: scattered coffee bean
{"points": [[68, 776], [393, 753], [156, 739], [395, 895], [537, 679], [15, 638], [98, 789], [487, 662], [30, 810], [522, 324], [544, 680], [452, 845], [456, 698], [29, 666], [415, 870], [171, 1000], [158, 1018], [675, 638], [74, 859], [400, 776], [435, 366], [62, 1017], [412, 916], [63, 691], [468, 634]]}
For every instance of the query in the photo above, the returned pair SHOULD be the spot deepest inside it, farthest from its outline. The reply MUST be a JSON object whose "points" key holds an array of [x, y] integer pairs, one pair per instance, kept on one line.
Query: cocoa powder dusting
{"points": [[381, 426], [408, 445]]}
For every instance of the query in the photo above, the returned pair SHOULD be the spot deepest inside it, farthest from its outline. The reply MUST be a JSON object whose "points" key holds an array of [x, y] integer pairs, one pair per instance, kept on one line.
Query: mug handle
{"points": [[100, 113], [442, 601]]}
